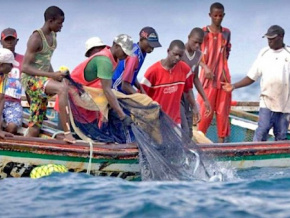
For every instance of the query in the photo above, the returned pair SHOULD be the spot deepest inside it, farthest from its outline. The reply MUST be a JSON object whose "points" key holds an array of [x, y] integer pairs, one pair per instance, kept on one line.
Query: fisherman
{"points": [[125, 75], [39, 79], [192, 57], [216, 48], [273, 67], [96, 72], [12, 111], [93, 46], [166, 81], [7, 62]]}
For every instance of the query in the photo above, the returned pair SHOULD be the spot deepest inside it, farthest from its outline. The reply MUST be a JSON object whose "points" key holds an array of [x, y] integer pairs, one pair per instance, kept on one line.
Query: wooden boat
{"points": [[19, 155]]}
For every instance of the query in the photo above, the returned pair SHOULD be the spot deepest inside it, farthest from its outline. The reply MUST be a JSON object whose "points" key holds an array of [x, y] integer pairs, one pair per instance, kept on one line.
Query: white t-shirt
{"points": [[273, 66]]}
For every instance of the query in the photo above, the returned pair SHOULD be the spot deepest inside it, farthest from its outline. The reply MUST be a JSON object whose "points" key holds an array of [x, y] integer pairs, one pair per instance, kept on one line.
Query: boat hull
{"points": [[18, 156]]}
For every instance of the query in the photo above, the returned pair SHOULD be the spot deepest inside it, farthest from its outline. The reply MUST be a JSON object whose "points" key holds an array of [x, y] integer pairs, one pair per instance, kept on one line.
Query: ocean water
{"points": [[258, 192]]}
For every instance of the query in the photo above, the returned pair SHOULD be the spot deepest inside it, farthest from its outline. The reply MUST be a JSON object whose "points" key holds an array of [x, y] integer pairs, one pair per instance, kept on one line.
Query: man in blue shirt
{"points": [[125, 75]]}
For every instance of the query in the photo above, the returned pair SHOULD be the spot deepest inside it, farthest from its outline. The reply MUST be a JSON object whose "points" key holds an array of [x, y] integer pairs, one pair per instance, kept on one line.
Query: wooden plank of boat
{"points": [[19, 155], [251, 154], [244, 115], [245, 105]]}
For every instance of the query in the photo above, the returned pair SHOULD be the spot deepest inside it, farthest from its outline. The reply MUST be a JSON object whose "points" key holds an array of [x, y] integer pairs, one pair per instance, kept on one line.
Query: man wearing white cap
{"points": [[93, 46], [7, 62], [273, 67], [97, 71]]}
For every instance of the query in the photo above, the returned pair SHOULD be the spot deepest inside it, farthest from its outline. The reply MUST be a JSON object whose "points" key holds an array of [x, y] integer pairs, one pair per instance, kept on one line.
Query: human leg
{"points": [[61, 89], [206, 121], [223, 107], [12, 114], [264, 124], [37, 108], [281, 124], [34, 89]]}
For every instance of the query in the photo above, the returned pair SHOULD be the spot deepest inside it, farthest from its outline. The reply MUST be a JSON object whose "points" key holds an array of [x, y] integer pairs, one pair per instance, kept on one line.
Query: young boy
{"points": [[192, 57], [39, 79], [7, 62], [216, 48], [12, 111]]}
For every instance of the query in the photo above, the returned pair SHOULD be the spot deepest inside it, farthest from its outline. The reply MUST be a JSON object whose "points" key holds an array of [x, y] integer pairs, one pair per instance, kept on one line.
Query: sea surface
{"points": [[258, 192]]}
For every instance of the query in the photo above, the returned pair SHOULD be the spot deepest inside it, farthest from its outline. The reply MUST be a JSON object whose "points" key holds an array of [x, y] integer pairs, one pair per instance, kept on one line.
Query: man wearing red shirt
{"points": [[166, 80], [216, 48]]}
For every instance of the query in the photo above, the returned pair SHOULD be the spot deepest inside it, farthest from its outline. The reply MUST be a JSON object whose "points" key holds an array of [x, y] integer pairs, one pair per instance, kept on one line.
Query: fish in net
{"points": [[165, 152]]}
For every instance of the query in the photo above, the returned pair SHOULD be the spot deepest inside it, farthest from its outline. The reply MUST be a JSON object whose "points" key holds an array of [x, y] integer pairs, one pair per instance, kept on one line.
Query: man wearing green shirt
{"points": [[97, 72]]}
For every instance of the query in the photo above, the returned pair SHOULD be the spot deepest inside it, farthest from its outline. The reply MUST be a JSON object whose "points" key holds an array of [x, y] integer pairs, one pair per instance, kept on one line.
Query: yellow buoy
{"points": [[46, 170], [63, 69]]}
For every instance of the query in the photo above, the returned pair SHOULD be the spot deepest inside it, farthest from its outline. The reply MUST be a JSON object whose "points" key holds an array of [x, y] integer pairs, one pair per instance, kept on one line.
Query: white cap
{"points": [[7, 57], [93, 42]]}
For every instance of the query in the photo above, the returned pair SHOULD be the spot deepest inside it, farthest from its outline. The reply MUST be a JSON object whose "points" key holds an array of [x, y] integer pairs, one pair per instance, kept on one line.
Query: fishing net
{"points": [[165, 153]]}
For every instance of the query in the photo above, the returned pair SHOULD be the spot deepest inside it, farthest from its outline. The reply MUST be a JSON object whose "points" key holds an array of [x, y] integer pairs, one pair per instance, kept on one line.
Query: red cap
{"points": [[8, 32]]}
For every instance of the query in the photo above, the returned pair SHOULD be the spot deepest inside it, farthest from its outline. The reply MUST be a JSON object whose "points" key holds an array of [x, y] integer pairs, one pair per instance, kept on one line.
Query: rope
{"points": [[56, 133], [91, 151], [25, 132], [91, 156], [197, 159]]}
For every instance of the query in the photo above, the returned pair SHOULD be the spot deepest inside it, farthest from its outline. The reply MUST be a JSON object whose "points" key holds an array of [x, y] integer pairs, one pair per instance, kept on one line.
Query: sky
{"points": [[248, 21]]}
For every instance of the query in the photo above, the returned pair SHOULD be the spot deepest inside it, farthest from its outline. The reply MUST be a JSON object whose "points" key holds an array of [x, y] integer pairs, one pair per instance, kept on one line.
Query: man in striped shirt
{"points": [[166, 81], [216, 48], [125, 75]]}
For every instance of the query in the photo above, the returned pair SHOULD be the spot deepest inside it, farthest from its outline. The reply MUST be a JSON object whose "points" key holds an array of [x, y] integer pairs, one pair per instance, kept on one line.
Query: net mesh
{"points": [[165, 153], [242, 130]]}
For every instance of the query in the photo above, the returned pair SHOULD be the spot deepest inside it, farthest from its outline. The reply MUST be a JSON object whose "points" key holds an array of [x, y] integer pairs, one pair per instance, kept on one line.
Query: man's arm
{"points": [[207, 71], [228, 44], [138, 86], [242, 83], [190, 98], [34, 45], [200, 90], [127, 88], [131, 65], [106, 84], [189, 95]]}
